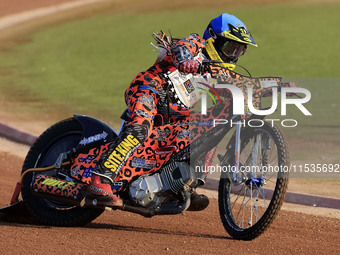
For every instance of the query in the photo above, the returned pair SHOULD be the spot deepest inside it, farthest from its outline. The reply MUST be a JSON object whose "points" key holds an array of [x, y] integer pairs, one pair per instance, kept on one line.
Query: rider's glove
{"points": [[189, 66], [289, 84]]}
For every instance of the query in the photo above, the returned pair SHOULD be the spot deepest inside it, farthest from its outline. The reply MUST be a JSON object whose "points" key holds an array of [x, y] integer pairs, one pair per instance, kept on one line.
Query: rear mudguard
{"points": [[94, 130], [95, 139]]}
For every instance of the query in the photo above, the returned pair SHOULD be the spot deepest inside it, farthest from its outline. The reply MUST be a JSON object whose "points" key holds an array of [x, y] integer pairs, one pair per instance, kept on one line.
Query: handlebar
{"points": [[206, 63]]}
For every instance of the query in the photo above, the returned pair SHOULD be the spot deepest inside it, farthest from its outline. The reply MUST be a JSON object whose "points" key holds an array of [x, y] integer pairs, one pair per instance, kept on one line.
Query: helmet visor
{"points": [[232, 50]]}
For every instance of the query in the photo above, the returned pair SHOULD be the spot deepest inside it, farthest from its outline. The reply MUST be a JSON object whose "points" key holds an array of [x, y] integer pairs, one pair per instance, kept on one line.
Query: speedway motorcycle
{"points": [[159, 177]]}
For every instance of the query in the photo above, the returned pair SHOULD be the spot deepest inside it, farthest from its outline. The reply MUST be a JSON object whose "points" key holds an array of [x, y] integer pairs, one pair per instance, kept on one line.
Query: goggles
{"points": [[231, 50]]}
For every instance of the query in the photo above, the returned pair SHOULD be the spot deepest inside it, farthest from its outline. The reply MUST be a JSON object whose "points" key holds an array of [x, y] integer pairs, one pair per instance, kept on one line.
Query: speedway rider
{"points": [[225, 39]]}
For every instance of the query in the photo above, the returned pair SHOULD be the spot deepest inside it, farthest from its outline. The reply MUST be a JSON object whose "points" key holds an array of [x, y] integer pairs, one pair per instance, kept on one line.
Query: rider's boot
{"points": [[112, 161], [198, 202], [100, 189]]}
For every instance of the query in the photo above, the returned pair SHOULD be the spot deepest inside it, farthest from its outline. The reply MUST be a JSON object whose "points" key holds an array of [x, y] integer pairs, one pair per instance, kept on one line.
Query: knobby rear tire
{"points": [[59, 138]]}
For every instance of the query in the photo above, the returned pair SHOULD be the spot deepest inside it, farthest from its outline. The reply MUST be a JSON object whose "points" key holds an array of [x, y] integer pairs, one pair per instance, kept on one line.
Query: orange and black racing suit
{"points": [[148, 94]]}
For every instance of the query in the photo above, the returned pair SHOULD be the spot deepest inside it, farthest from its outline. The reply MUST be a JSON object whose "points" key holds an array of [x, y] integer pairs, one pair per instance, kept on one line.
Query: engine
{"points": [[151, 190]]}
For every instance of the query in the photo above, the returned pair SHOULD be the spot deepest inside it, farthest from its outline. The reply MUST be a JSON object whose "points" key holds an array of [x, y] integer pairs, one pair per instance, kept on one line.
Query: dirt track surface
{"points": [[126, 233], [191, 233]]}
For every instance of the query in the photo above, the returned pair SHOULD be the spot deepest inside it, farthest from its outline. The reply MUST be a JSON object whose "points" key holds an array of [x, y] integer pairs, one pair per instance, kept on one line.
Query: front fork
{"points": [[251, 163], [237, 177]]}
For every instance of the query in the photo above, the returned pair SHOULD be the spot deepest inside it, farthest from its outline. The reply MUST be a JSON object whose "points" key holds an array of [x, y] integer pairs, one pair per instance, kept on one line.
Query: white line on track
{"points": [[15, 19]]}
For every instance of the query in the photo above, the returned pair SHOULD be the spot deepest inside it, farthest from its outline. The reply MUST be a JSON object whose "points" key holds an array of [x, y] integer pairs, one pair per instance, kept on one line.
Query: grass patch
{"points": [[84, 66]]}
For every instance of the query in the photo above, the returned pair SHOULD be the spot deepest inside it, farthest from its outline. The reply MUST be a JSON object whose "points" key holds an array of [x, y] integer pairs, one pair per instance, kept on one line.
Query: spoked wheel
{"points": [[248, 206], [59, 138]]}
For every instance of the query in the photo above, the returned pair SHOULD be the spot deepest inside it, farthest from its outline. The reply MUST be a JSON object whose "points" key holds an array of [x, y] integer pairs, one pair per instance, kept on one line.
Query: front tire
{"points": [[247, 209], [59, 138]]}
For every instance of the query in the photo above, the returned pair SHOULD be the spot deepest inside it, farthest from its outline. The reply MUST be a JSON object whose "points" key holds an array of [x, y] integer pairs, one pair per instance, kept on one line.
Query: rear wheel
{"points": [[59, 138], [249, 207]]}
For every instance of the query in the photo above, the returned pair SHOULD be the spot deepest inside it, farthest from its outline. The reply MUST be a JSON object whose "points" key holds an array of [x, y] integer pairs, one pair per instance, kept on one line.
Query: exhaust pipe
{"points": [[67, 192], [163, 209], [72, 193], [146, 212]]}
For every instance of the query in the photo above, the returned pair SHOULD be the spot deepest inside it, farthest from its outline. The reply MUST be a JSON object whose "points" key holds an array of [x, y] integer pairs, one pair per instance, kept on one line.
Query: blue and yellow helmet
{"points": [[227, 38]]}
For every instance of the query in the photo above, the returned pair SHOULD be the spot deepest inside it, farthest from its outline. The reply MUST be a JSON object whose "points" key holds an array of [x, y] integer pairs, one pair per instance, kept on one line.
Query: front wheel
{"points": [[59, 138], [248, 208]]}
